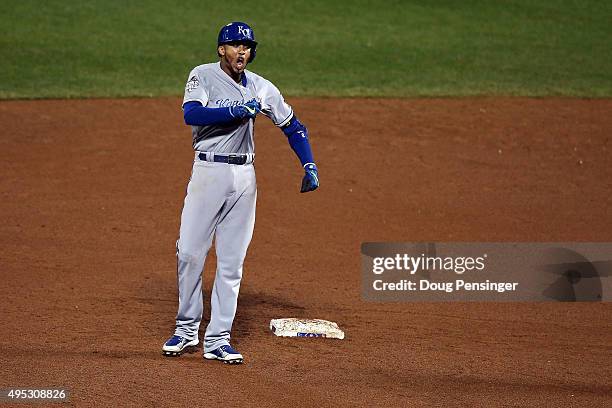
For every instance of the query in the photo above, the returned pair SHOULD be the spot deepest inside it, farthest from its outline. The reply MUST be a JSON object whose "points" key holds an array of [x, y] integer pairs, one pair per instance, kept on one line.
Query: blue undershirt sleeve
{"points": [[197, 115], [297, 136]]}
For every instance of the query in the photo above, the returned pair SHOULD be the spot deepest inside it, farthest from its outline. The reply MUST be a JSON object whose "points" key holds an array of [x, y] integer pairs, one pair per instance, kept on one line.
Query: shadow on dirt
{"points": [[255, 309]]}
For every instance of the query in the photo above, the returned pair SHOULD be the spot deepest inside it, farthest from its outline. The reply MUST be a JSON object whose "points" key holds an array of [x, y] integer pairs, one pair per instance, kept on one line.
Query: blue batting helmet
{"points": [[238, 32]]}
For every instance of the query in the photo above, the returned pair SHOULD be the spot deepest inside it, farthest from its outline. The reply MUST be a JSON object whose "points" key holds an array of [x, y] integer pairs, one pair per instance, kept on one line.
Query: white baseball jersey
{"points": [[213, 88]]}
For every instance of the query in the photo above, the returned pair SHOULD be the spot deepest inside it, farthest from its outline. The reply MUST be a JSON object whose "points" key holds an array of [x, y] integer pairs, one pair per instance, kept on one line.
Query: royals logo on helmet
{"points": [[244, 31]]}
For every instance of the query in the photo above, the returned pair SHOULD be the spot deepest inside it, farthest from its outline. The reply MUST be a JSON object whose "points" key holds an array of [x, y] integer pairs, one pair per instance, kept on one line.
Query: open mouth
{"points": [[240, 62]]}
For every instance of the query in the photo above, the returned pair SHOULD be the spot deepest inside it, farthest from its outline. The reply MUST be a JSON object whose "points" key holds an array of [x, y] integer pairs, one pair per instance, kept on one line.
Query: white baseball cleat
{"points": [[226, 354], [177, 345]]}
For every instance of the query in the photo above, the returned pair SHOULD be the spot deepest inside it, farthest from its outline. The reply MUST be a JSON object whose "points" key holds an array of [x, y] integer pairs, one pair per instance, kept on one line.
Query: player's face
{"points": [[235, 56]]}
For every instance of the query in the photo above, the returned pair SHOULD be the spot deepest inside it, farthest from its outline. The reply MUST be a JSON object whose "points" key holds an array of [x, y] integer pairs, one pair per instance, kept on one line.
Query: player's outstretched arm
{"points": [[197, 115], [297, 136]]}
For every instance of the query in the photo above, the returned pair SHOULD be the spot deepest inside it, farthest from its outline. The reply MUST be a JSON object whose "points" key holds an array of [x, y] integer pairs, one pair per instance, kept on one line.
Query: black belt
{"points": [[227, 158]]}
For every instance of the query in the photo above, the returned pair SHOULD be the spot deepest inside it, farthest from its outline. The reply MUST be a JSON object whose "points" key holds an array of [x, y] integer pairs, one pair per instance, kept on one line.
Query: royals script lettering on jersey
{"points": [[213, 88]]}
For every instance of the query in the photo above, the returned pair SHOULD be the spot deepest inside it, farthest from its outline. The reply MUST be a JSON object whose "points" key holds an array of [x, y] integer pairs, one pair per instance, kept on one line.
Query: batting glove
{"points": [[310, 182], [246, 110]]}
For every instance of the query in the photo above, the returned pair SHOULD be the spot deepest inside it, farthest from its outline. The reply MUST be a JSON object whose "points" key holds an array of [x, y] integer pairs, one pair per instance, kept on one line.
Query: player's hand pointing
{"points": [[310, 182], [246, 110], [254, 104]]}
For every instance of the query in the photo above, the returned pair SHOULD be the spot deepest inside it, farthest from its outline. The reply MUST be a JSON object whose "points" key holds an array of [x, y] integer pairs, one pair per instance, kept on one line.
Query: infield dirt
{"points": [[91, 197]]}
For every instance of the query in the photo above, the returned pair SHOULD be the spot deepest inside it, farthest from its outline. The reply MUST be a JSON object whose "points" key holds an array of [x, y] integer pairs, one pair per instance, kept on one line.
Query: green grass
{"points": [[59, 49]]}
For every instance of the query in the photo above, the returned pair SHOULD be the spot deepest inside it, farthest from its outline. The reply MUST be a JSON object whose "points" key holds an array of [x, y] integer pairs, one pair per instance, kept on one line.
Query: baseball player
{"points": [[221, 102]]}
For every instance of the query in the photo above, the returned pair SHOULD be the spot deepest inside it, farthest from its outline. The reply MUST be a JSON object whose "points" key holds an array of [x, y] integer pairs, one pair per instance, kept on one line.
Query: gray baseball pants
{"points": [[220, 203]]}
